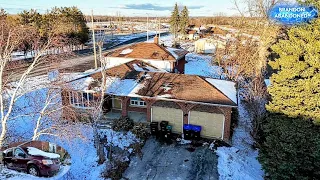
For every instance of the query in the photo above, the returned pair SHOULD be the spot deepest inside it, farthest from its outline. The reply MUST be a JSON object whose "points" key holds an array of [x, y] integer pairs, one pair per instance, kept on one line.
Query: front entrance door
{"points": [[117, 103]]}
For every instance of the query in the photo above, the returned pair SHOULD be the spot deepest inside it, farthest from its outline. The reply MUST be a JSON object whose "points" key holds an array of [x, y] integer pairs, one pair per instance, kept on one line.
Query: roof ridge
{"points": [[163, 48], [142, 61]]}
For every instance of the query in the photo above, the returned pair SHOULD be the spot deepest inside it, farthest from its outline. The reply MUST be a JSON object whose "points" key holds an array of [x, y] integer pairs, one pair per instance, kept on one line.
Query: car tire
{"points": [[33, 170]]}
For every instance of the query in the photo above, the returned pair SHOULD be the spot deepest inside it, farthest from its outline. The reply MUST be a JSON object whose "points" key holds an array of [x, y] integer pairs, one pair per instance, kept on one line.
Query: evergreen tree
{"points": [[175, 21], [295, 88], [68, 21], [184, 20], [290, 149]]}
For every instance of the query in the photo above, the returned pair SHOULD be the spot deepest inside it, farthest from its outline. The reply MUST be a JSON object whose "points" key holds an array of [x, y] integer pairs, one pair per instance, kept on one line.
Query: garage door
{"points": [[174, 116], [212, 124]]}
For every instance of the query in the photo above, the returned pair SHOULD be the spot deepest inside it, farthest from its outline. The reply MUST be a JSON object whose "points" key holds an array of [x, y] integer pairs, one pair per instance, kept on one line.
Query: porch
{"points": [[108, 118]]}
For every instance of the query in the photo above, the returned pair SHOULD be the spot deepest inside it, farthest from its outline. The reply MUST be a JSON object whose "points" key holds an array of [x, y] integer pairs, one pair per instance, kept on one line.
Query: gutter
{"points": [[177, 100]]}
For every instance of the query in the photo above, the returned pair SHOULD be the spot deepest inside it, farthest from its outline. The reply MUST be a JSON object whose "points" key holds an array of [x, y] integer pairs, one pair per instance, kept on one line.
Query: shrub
{"points": [[140, 130], [137, 147], [115, 169], [123, 124], [290, 148]]}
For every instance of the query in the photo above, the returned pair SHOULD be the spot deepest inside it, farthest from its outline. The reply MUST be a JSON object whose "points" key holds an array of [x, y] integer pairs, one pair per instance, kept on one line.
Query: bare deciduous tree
{"points": [[12, 36]]}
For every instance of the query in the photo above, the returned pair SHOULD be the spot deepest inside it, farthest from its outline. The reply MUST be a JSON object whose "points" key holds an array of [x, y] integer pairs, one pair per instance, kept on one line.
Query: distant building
{"points": [[205, 46], [165, 58]]}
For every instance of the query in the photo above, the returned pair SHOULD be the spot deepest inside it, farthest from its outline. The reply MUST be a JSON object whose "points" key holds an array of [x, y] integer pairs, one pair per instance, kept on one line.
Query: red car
{"points": [[18, 158]]}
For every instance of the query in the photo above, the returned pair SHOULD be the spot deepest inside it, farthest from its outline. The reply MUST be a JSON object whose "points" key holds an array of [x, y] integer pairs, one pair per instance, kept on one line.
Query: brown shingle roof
{"points": [[144, 51], [182, 87], [123, 70]]}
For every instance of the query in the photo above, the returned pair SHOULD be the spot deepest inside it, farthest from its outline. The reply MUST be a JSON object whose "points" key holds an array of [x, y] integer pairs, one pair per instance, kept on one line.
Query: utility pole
{"points": [[147, 26], [100, 44], [159, 28], [94, 43]]}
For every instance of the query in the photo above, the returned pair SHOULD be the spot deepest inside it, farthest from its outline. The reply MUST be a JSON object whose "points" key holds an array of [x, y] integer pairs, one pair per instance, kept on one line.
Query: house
{"points": [[194, 35], [191, 27], [165, 58], [148, 94], [205, 46]]}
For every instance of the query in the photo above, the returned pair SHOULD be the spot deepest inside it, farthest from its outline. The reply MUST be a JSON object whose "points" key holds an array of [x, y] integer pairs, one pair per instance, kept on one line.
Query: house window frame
{"points": [[80, 101], [137, 102]]}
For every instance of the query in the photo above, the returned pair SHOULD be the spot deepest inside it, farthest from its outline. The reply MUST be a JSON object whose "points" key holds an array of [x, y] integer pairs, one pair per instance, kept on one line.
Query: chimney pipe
{"points": [[156, 39]]}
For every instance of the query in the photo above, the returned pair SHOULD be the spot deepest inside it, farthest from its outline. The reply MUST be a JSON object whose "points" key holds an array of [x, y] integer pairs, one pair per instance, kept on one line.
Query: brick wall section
{"points": [[210, 109], [186, 107], [149, 103], [137, 109], [181, 65], [227, 122], [125, 104], [172, 66]]}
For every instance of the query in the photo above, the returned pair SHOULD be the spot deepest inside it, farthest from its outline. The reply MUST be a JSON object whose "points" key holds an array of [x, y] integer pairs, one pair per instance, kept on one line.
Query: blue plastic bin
{"points": [[196, 128]]}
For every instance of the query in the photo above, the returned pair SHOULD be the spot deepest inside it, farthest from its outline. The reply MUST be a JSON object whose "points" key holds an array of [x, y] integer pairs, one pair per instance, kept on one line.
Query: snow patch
{"points": [[37, 152], [119, 139], [226, 87], [123, 87], [238, 165], [267, 82], [171, 50], [202, 66], [126, 51], [240, 161], [137, 68]]}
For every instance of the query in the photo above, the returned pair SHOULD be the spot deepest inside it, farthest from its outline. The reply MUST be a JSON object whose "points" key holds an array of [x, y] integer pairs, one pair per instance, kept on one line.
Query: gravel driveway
{"points": [[178, 162]]}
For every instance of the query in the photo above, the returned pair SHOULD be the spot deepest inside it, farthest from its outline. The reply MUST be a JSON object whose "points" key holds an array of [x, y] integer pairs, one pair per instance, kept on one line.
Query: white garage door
{"points": [[174, 116], [212, 124]]}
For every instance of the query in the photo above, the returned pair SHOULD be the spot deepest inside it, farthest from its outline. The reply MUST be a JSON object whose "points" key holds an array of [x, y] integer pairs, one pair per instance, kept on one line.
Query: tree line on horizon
{"points": [[68, 22]]}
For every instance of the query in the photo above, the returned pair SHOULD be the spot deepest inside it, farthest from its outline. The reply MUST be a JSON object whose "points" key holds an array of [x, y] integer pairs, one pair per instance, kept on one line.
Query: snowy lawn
{"points": [[119, 139], [240, 161], [9, 174], [202, 65], [78, 142]]}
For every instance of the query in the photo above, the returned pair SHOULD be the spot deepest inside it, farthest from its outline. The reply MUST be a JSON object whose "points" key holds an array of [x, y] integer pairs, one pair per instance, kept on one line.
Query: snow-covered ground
{"points": [[239, 162], [117, 39], [8, 174], [167, 40], [202, 65], [78, 142], [119, 139]]}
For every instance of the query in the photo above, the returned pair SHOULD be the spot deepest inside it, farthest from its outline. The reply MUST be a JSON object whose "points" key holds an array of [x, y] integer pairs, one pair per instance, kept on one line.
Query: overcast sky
{"points": [[125, 7]]}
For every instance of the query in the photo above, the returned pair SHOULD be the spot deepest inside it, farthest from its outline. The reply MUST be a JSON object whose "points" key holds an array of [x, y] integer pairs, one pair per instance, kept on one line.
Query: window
{"points": [[81, 99], [17, 152], [137, 102], [8, 153]]}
